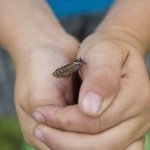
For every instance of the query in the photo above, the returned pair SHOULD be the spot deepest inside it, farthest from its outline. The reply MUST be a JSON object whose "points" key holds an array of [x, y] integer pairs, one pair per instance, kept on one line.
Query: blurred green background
{"points": [[147, 142], [10, 135]]}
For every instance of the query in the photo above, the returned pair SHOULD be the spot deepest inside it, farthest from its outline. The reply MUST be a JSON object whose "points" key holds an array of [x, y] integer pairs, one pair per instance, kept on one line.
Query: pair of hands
{"points": [[114, 78]]}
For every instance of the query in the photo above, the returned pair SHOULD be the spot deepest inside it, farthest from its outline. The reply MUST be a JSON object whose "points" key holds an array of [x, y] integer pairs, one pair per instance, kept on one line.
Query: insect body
{"points": [[69, 69]]}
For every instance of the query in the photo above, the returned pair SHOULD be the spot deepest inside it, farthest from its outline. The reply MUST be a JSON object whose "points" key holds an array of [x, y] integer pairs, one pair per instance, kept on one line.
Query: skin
{"points": [[45, 105]]}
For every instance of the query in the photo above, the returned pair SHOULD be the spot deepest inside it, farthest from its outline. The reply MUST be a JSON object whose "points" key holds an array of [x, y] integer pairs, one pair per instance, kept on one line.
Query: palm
{"points": [[35, 86]]}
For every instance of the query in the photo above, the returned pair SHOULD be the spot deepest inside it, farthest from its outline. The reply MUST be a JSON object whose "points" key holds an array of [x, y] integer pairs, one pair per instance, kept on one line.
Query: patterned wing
{"points": [[66, 71]]}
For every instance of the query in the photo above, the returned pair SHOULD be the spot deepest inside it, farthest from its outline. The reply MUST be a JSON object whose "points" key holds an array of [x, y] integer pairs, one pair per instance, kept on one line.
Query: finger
{"points": [[101, 77], [71, 118], [42, 88], [27, 124], [117, 138], [137, 145]]}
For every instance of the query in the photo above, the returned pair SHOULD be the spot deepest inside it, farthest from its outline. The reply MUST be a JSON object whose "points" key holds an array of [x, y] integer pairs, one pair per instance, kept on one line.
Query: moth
{"points": [[69, 69]]}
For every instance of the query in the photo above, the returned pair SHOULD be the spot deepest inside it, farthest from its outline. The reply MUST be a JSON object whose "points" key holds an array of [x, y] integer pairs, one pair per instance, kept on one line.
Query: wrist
{"points": [[21, 49], [125, 34], [29, 24]]}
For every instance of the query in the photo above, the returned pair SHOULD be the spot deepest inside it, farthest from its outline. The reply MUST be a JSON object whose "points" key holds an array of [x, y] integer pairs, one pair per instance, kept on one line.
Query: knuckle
{"points": [[110, 74], [31, 99], [61, 119], [65, 122], [99, 124], [37, 99], [91, 126], [96, 126]]}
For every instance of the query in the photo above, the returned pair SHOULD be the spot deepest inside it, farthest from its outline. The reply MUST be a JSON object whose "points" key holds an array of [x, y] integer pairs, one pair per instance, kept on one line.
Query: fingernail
{"points": [[38, 116], [91, 103], [38, 134]]}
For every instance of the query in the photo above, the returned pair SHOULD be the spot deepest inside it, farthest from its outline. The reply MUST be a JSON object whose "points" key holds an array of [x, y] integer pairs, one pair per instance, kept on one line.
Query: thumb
{"points": [[101, 78]]}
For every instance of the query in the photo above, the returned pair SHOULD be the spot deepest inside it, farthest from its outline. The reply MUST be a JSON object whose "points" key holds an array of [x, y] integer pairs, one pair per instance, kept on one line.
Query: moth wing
{"points": [[66, 71]]}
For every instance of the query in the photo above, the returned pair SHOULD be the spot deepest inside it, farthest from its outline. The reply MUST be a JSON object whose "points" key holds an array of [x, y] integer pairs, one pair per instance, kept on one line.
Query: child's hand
{"points": [[35, 86], [115, 79]]}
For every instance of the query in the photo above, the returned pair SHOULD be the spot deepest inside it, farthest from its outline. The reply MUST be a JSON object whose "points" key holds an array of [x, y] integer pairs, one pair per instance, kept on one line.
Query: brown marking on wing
{"points": [[66, 71]]}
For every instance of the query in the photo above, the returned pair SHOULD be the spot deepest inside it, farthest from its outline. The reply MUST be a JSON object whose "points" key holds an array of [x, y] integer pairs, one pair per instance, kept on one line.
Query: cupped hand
{"points": [[115, 90], [35, 86]]}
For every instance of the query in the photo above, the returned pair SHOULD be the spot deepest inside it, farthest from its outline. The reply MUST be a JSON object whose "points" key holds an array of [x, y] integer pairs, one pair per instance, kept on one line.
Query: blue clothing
{"points": [[75, 7]]}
